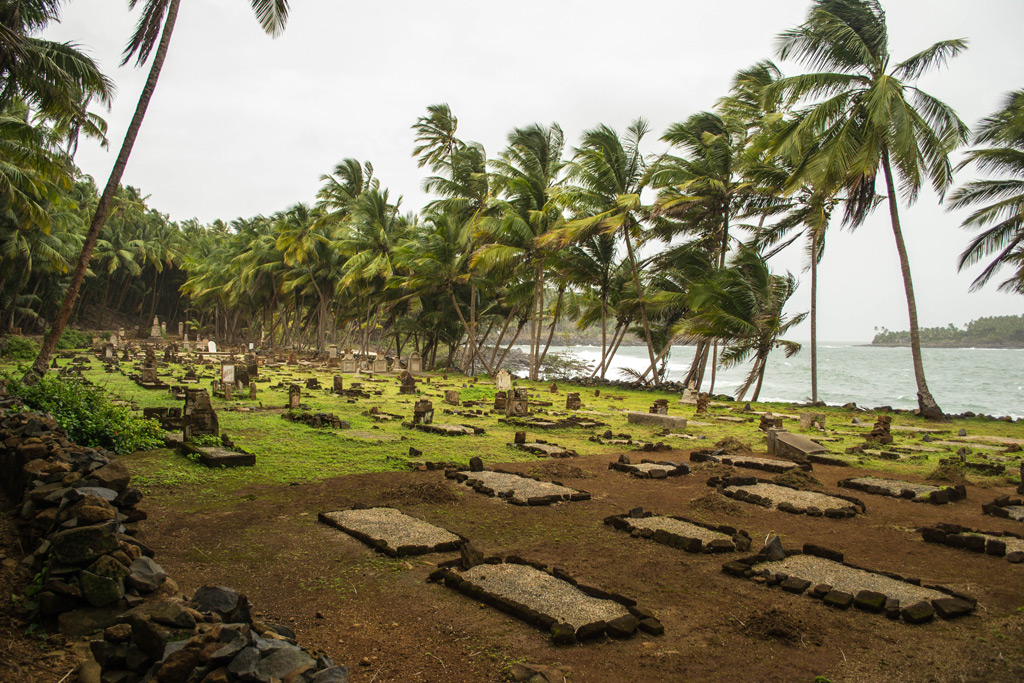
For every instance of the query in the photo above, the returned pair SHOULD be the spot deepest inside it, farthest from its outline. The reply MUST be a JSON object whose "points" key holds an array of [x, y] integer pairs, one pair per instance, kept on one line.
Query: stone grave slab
{"points": [[446, 429], [551, 600], [547, 450], [787, 445], [919, 493], [656, 420], [787, 499], [840, 585], [993, 543], [516, 488], [392, 532], [216, 456], [682, 533], [1006, 507], [649, 469], [751, 462]]}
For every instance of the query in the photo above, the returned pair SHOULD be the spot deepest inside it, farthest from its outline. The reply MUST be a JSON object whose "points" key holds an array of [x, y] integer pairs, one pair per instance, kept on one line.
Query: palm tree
{"points": [[865, 112], [153, 31], [1001, 215]]}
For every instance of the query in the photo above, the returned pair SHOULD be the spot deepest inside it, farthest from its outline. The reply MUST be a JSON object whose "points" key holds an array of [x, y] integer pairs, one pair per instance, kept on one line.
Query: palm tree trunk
{"points": [[640, 299], [760, 379], [615, 348], [929, 408], [551, 332], [515, 337], [714, 366], [501, 337], [103, 207], [814, 318], [472, 342]]}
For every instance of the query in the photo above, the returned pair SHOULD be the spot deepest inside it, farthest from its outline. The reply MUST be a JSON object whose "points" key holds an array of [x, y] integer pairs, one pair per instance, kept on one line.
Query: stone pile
{"points": [[318, 420], [79, 513], [880, 432]]}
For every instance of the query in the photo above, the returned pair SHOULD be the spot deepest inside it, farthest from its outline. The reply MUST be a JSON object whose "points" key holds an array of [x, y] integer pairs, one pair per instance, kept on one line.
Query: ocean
{"points": [[988, 381]]}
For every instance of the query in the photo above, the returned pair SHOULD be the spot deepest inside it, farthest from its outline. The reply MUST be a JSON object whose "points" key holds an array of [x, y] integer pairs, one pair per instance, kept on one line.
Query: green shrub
{"points": [[86, 414], [20, 348], [73, 339]]}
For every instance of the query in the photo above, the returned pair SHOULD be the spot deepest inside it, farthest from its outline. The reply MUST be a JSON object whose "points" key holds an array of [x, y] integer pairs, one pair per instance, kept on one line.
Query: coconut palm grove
{"points": [[624, 237]]}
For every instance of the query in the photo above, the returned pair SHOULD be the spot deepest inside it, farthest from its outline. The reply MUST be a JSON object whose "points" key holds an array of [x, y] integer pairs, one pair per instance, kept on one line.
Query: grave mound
{"points": [[391, 531], [551, 600], [787, 499], [919, 493], [516, 488], [421, 492], [823, 574], [679, 532], [994, 543]]}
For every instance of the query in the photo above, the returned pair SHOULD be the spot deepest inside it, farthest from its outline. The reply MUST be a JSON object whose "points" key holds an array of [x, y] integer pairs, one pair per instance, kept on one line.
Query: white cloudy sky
{"points": [[241, 124]]}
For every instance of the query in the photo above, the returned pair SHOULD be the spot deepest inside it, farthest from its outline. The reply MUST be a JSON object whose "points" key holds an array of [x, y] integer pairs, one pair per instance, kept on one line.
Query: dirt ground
{"points": [[381, 617]]}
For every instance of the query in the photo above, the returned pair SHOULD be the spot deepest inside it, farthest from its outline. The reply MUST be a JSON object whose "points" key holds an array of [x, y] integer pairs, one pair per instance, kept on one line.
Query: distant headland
{"points": [[997, 332]]}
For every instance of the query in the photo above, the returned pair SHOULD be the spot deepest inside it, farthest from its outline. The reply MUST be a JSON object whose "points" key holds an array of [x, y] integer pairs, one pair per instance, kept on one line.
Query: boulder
{"points": [[114, 476], [83, 544], [145, 574], [229, 604]]}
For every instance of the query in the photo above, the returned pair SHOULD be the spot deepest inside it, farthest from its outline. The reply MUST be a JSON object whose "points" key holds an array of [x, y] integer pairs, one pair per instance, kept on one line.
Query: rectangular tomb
{"points": [[920, 493], [517, 489], [787, 499], [677, 532], [391, 531]]}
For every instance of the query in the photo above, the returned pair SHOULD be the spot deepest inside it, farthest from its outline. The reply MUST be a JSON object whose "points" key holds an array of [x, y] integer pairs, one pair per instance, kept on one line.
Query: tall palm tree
{"points": [[1001, 214], [864, 112], [153, 31]]}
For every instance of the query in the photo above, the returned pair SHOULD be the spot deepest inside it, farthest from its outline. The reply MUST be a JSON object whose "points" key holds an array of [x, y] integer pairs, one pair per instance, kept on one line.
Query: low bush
{"points": [[19, 348], [85, 413], [73, 339]]}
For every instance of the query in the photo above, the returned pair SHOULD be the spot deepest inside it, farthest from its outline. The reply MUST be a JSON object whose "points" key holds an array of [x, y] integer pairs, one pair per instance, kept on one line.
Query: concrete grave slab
{"points": [[920, 493], [392, 532], [682, 533], [787, 499], [754, 462], [647, 469], [516, 488], [787, 445], [547, 450]]}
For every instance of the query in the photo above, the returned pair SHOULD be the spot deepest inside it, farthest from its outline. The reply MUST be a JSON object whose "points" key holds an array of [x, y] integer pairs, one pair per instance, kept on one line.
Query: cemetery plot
{"points": [[995, 543], [547, 450], [749, 461], [318, 420], [648, 469], [822, 574], [218, 456], [1006, 507], [553, 601], [787, 499], [919, 493], [679, 532], [516, 488], [392, 532], [446, 429]]}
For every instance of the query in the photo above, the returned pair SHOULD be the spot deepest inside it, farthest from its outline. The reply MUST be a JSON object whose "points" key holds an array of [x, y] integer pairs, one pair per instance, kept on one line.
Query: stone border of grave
{"points": [[219, 456], [624, 464], [316, 420], [638, 619], [956, 605], [997, 508], [835, 513], [945, 494], [534, 449], [740, 538], [727, 459], [827, 460], [441, 430], [461, 477], [381, 545], [965, 538]]}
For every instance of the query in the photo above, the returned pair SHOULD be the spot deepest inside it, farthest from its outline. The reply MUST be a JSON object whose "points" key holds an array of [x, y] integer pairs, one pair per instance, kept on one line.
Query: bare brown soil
{"points": [[340, 596]]}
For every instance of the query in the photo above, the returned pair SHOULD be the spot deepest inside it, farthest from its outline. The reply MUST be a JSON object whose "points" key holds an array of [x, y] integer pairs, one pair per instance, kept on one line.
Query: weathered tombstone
{"points": [[451, 397], [660, 407], [114, 339], [769, 421], [125, 355], [503, 380], [190, 375], [198, 418], [690, 394], [241, 377], [520, 438], [415, 363], [312, 383], [796, 446], [293, 358], [211, 347], [163, 329], [572, 402], [154, 331], [252, 390], [518, 403], [332, 356], [252, 367], [702, 403], [108, 350], [349, 363], [812, 421], [408, 383], [227, 373], [554, 388], [500, 399], [380, 364], [229, 388], [423, 412], [181, 330], [294, 396], [148, 373], [880, 432], [339, 384]]}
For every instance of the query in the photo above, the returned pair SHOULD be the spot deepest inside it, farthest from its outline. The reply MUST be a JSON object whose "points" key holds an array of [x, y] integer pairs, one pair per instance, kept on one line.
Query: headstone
{"points": [[181, 330], [380, 364], [572, 401], [252, 390], [332, 356], [408, 383], [148, 373], [293, 358], [769, 421], [415, 363], [349, 363], [163, 329], [339, 384], [198, 418], [241, 377], [423, 412], [518, 403], [312, 383], [154, 331], [880, 432], [660, 407], [503, 380], [690, 394], [553, 388], [252, 367], [500, 398], [451, 397], [211, 347], [702, 403], [108, 350], [520, 438], [229, 388], [227, 373], [294, 396], [812, 421]]}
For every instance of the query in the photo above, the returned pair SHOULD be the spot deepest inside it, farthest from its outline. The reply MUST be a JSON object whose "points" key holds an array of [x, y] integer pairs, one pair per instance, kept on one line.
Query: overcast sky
{"points": [[242, 125]]}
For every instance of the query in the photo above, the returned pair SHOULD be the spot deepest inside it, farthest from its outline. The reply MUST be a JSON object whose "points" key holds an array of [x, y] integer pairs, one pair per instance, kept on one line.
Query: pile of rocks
{"points": [[995, 543], [79, 513], [318, 420]]}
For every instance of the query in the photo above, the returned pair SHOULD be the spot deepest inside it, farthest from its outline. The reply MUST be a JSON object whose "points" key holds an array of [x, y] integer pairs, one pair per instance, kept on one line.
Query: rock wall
{"points": [[95, 576]]}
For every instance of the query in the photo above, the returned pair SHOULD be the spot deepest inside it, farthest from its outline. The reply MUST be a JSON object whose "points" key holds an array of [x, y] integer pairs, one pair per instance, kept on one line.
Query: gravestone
{"points": [[198, 418], [348, 363], [211, 346], [690, 394], [252, 390], [294, 396], [500, 399], [796, 446], [769, 421], [572, 401], [312, 383], [190, 375], [423, 412], [520, 438], [332, 356], [154, 331], [880, 432], [408, 383], [252, 367], [503, 380], [702, 403], [660, 407], [415, 363], [339, 384], [241, 377], [380, 364], [181, 330], [293, 358], [168, 353], [108, 350], [451, 397], [227, 373], [229, 388], [163, 329], [812, 421], [553, 388], [114, 340], [518, 403]]}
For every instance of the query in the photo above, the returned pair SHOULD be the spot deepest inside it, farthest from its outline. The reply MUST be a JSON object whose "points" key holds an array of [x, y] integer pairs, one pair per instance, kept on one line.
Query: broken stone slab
{"points": [[547, 450], [787, 445], [517, 489], [656, 420]]}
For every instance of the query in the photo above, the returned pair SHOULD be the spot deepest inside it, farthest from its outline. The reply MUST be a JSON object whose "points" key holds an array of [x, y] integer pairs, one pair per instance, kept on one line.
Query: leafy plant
{"points": [[73, 339], [20, 348]]}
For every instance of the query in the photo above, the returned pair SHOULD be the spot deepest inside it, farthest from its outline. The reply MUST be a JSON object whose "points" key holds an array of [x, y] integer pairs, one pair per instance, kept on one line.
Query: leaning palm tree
{"points": [[864, 112], [1001, 215], [153, 31]]}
